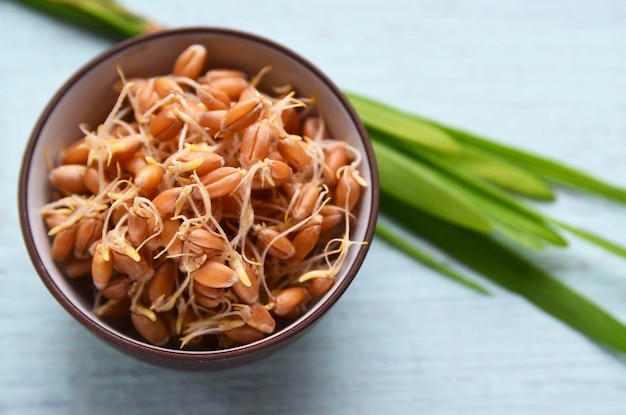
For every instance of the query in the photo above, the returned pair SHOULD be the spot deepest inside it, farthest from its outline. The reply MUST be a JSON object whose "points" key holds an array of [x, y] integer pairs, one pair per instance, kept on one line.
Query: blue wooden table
{"points": [[548, 76]]}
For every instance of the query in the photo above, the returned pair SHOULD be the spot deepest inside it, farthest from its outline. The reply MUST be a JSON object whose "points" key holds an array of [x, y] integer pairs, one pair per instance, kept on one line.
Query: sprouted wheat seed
{"points": [[206, 212]]}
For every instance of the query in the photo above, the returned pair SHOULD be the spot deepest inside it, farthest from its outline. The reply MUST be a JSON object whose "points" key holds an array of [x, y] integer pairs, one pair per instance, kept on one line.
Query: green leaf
{"points": [[522, 229], [553, 170], [503, 174], [594, 239], [104, 16], [401, 125], [412, 250], [520, 237], [416, 185], [504, 213], [550, 169], [508, 269]]}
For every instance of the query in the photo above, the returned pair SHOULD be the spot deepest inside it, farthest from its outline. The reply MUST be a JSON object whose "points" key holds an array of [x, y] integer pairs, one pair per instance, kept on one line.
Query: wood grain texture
{"points": [[547, 76]]}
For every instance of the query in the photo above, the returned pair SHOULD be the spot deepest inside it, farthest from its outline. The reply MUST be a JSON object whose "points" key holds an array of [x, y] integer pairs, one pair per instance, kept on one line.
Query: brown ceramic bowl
{"points": [[87, 97]]}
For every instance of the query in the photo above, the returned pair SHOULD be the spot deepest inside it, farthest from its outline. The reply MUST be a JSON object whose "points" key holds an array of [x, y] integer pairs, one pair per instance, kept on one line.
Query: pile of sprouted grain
{"points": [[207, 213]]}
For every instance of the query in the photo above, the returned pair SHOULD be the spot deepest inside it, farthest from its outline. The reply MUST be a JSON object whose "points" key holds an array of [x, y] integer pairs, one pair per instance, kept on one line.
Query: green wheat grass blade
{"points": [[103, 16], [504, 213], [503, 174], [550, 169], [396, 240], [510, 270], [402, 125], [393, 124], [553, 170], [401, 177], [594, 239]]}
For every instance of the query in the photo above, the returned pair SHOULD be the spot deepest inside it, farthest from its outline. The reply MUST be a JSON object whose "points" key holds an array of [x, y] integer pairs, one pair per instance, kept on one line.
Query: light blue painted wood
{"points": [[548, 76]]}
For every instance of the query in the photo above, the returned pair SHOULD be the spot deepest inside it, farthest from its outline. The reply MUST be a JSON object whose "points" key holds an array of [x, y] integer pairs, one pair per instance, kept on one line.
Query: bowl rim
{"points": [[138, 347]]}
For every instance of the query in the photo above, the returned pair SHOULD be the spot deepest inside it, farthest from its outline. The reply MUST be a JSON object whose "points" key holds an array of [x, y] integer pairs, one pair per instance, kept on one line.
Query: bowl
{"points": [[87, 97]]}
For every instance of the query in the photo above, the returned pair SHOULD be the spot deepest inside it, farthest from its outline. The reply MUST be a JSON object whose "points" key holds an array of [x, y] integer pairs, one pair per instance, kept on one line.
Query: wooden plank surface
{"points": [[547, 76]]}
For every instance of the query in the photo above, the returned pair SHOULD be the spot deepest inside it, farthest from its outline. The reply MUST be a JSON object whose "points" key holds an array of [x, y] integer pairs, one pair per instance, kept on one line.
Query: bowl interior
{"points": [[87, 98]]}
